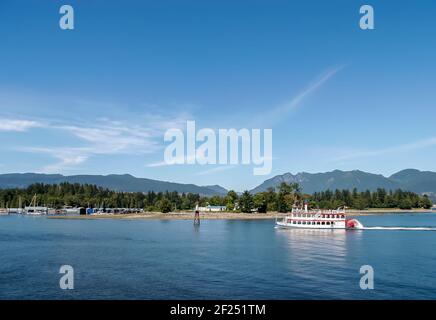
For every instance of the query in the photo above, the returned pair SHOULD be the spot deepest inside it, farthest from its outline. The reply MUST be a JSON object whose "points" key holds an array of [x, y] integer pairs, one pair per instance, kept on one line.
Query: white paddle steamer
{"points": [[318, 219]]}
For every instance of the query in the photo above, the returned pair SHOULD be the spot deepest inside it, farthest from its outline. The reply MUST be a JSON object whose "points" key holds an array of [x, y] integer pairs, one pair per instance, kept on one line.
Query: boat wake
{"points": [[399, 228], [357, 225]]}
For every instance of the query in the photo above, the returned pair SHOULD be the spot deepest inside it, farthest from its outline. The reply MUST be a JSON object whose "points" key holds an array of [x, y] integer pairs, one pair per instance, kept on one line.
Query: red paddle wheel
{"points": [[353, 224]]}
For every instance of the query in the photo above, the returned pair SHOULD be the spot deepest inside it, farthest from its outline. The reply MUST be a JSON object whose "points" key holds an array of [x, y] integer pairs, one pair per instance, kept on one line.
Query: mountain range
{"points": [[422, 182], [117, 182]]}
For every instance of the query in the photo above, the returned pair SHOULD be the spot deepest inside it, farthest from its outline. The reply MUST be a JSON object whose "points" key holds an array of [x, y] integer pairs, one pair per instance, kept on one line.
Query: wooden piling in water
{"points": [[197, 218]]}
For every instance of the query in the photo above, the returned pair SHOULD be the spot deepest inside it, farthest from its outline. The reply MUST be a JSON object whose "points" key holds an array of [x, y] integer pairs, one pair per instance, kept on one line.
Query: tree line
{"points": [[281, 199], [88, 195]]}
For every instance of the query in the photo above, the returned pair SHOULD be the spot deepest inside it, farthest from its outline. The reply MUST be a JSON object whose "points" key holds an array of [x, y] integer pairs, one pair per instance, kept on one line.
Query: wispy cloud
{"points": [[215, 170], [68, 158], [163, 163], [321, 79], [156, 164], [403, 148], [101, 137], [18, 125], [111, 138], [273, 116]]}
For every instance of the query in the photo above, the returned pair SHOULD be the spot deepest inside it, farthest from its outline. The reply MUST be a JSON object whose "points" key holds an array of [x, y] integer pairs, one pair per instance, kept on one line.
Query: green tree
{"points": [[246, 202], [164, 205], [426, 202], [271, 199], [231, 200], [405, 203], [287, 196], [358, 203], [259, 201]]}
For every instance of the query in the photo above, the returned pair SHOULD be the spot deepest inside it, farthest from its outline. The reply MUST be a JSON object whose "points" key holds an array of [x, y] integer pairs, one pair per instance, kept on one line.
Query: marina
{"points": [[34, 208]]}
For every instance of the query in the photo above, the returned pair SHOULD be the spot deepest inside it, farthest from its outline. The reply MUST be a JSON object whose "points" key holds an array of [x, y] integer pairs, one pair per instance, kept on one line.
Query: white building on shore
{"points": [[210, 208]]}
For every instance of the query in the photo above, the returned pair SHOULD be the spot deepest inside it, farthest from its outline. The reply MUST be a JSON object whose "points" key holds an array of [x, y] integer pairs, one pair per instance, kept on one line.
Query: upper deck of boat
{"points": [[323, 214]]}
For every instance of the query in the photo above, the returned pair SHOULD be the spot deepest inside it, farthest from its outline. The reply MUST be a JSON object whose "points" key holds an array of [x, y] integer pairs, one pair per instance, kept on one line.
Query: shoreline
{"points": [[221, 215]]}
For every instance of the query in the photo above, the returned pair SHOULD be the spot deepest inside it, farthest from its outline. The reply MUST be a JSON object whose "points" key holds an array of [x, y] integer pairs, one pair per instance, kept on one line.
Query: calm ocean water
{"points": [[115, 259]]}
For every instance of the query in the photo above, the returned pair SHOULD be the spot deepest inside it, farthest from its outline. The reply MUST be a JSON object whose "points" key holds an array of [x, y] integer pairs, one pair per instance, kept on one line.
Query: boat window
{"points": [[322, 223], [318, 223], [328, 222]]}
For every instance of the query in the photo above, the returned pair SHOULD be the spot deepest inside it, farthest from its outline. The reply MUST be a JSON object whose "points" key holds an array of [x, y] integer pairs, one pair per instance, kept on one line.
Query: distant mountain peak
{"points": [[408, 179], [217, 188]]}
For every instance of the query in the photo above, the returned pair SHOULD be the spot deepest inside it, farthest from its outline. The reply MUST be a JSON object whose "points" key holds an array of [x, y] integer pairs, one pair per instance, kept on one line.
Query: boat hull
{"points": [[325, 227]]}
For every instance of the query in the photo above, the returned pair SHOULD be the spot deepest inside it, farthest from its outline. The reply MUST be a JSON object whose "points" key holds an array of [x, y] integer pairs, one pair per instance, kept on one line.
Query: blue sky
{"points": [[97, 99]]}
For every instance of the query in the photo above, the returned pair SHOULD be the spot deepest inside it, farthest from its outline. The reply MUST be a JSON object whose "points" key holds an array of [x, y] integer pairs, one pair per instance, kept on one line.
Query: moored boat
{"points": [[34, 209]]}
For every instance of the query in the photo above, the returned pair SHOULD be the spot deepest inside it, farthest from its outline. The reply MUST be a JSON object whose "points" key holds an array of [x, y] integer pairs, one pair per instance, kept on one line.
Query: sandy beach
{"points": [[175, 216], [220, 215]]}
